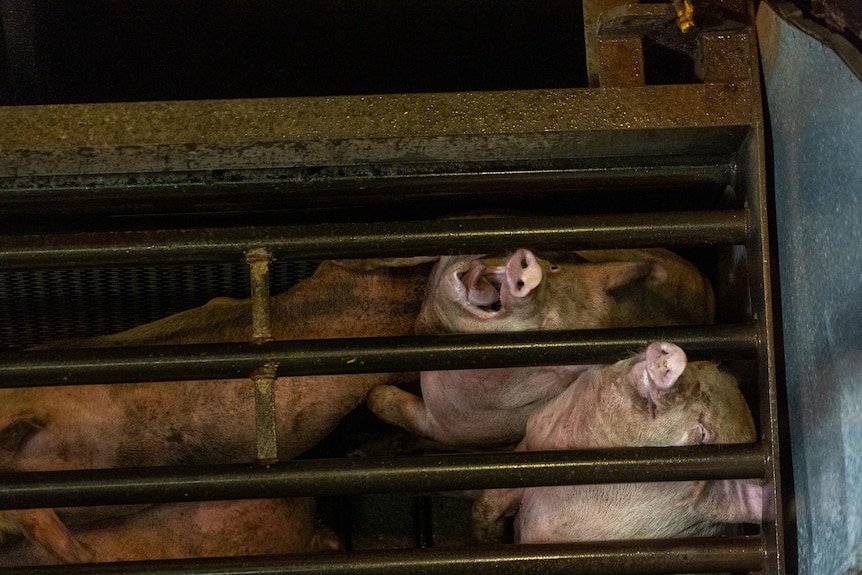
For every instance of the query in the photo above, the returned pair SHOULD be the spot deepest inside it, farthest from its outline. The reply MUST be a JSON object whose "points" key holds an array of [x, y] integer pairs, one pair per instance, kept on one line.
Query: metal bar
{"points": [[261, 318], [363, 355], [263, 378], [655, 556], [264, 415], [186, 192], [391, 239], [416, 474]]}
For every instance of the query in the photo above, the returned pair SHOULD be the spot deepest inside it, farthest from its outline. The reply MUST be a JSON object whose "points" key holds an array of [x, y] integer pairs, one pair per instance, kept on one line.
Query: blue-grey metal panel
{"points": [[815, 108]]}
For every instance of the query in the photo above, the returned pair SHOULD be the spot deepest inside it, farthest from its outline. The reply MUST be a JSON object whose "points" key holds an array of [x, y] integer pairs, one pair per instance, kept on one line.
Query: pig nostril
{"points": [[524, 263], [520, 285]]}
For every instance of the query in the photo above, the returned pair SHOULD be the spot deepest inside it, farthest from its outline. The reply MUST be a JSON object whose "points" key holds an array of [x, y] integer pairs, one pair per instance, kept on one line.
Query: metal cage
{"points": [[629, 161]]}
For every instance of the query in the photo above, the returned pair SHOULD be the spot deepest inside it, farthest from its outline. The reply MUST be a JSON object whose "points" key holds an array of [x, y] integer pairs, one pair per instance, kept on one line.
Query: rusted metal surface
{"points": [[264, 411], [258, 260]]}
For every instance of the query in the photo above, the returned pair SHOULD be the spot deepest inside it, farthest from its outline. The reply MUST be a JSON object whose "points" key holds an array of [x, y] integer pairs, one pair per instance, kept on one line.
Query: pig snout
{"points": [[523, 274], [486, 290]]}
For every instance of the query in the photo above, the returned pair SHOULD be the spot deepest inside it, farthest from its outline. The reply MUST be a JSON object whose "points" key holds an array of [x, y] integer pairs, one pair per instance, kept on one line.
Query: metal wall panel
{"points": [[815, 109]]}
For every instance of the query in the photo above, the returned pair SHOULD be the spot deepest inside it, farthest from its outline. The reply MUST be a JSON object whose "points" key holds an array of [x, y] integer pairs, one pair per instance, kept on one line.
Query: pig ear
{"points": [[16, 433], [43, 527], [665, 362], [618, 274]]}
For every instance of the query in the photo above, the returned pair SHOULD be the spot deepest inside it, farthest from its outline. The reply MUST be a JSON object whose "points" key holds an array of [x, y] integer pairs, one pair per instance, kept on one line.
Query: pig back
{"points": [[211, 421], [338, 300]]}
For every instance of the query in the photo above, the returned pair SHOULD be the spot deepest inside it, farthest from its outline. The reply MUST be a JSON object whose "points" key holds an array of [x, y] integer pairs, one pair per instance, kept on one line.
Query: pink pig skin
{"points": [[654, 399], [186, 530], [200, 422], [488, 408]]}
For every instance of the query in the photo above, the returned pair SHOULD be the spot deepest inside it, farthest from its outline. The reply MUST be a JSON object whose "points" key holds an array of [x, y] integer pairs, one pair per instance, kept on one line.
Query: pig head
{"points": [[186, 530], [587, 289], [201, 422], [654, 399], [601, 289]]}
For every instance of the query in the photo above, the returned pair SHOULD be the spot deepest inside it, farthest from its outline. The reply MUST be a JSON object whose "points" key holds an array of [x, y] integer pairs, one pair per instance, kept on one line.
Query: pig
{"points": [[592, 289], [203, 422], [186, 530], [653, 399], [489, 408]]}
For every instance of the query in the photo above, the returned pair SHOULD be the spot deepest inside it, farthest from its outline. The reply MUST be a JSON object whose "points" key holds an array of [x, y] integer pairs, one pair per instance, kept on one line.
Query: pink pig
{"points": [[201, 422], [484, 408], [654, 399]]}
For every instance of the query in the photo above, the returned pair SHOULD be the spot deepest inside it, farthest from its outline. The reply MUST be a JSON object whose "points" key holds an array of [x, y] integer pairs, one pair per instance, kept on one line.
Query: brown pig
{"points": [[484, 408], [200, 422], [654, 399], [186, 530], [581, 290]]}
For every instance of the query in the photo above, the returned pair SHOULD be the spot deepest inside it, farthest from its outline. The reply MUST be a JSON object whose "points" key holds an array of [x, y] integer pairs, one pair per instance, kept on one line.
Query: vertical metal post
{"points": [[264, 378], [264, 409], [261, 318]]}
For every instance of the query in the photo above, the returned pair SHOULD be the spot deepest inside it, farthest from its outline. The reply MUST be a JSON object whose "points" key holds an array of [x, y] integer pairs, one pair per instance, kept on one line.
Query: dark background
{"points": [[130, 50]]}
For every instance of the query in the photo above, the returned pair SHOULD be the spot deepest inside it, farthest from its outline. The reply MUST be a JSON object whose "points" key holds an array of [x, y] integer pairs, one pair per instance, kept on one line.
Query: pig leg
{"points": [[43, 527], [490, 511], [398, 407]]}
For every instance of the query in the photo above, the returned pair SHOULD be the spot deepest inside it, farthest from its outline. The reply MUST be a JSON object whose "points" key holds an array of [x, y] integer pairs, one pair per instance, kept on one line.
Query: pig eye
{"points": [[554, 268], [700, 434]]}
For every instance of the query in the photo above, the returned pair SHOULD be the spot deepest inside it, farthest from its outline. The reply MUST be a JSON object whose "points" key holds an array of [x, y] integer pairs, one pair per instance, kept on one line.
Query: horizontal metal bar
{"points": [[415, 474], [177, 247], [655, 556], [363, 355], [189, 192]]}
